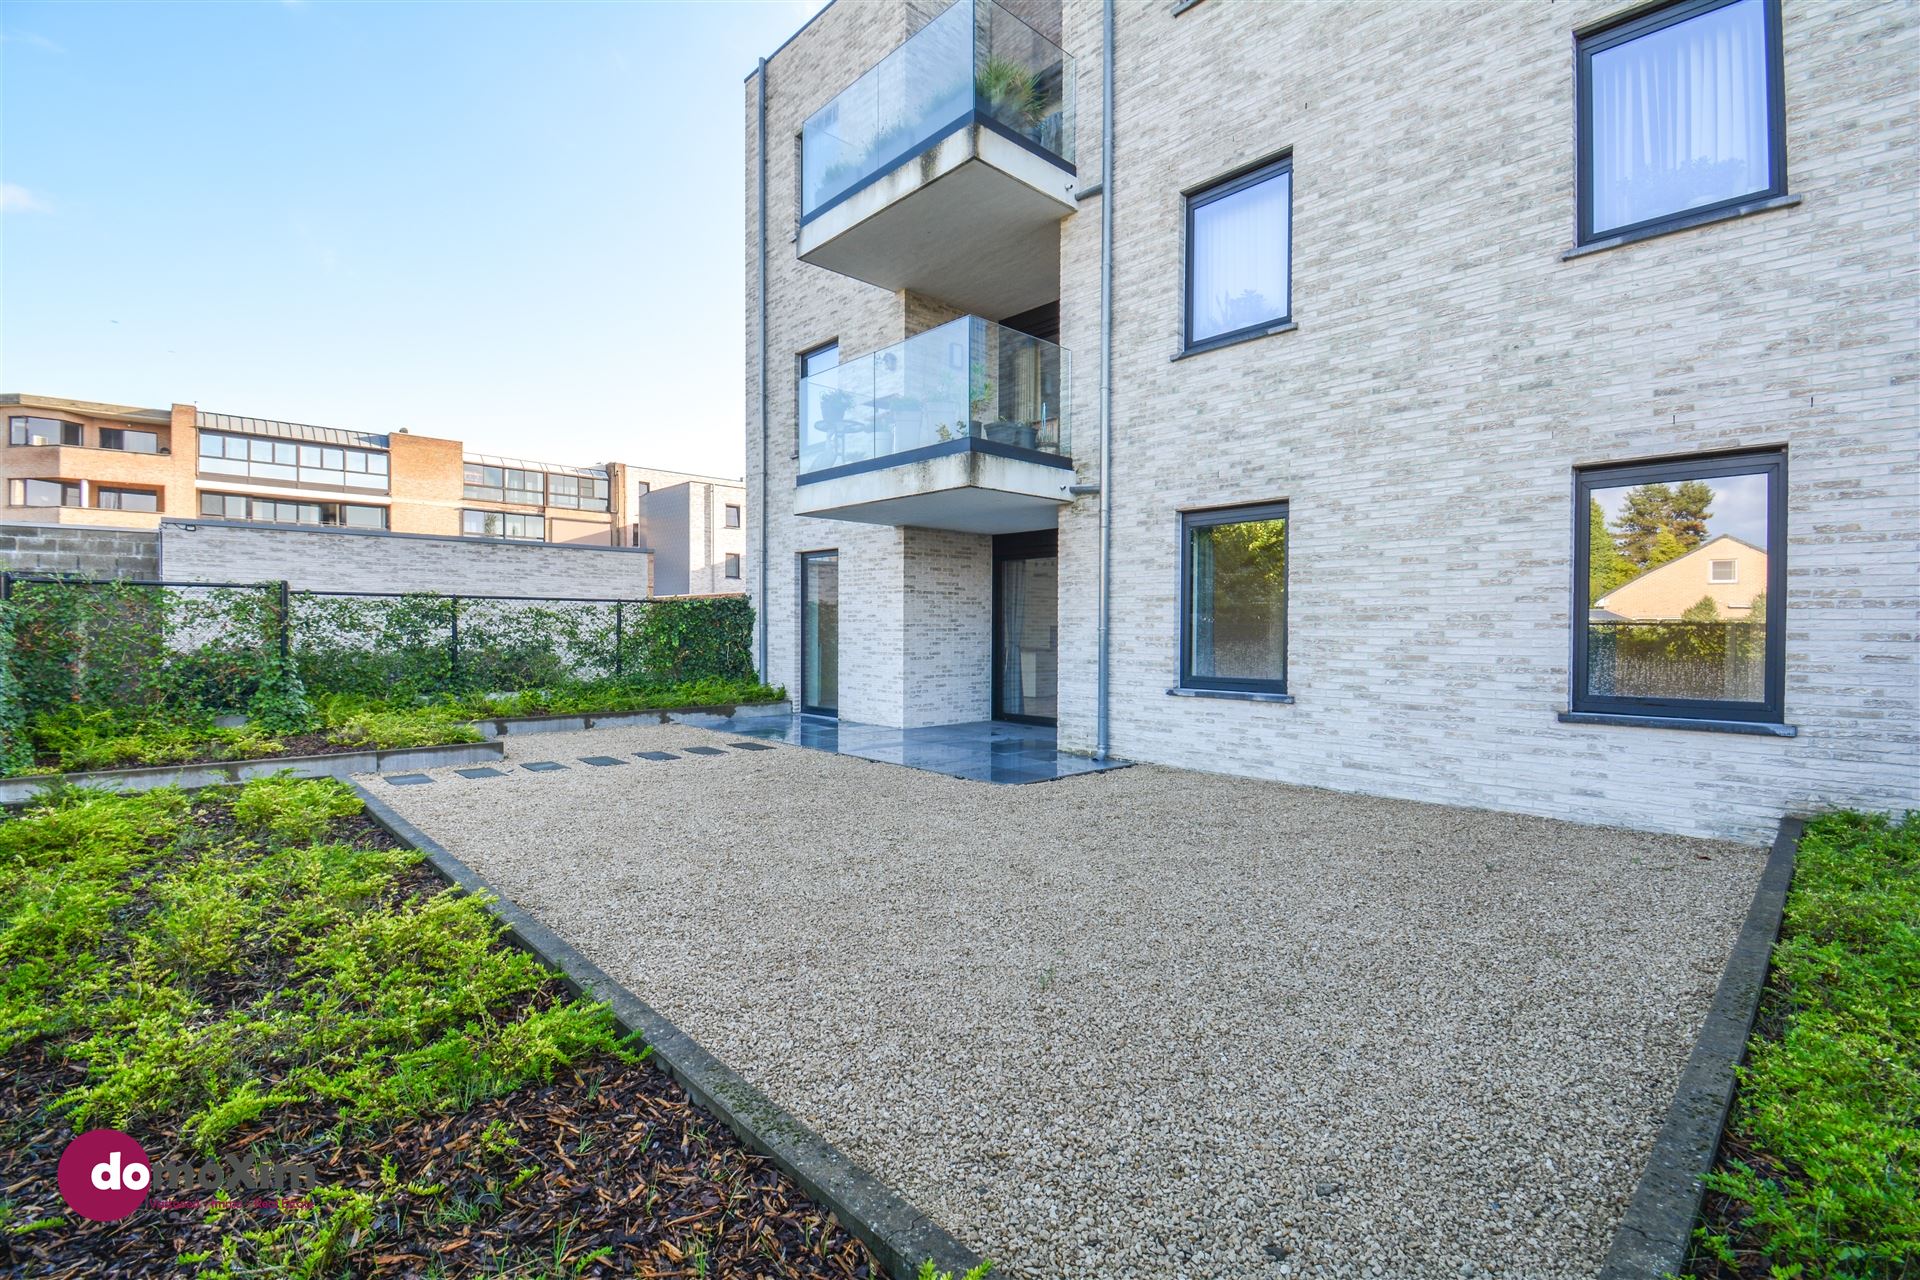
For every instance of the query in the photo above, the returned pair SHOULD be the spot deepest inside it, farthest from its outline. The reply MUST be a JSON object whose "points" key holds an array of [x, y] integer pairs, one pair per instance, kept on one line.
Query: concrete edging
{"points": [[1657, 1230], [900, 1236], [718, 716], [215, 773]]}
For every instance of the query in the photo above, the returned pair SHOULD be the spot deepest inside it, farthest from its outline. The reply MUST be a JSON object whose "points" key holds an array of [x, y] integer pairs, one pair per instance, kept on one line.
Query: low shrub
{"points": [[119, 913], [588, 696], [1829, 1103], [361, 722]]}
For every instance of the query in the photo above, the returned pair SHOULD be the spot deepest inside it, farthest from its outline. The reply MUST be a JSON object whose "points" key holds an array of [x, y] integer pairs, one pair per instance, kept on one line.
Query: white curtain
{"points": [[1680, 117], [1240, 258]]}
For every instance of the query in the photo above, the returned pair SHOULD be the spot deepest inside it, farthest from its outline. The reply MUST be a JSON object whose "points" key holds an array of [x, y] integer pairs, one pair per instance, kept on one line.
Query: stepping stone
{"points": [[481, 772], [543, 766], [750, 746], [656, 755], [602, 761], [703, 751], [407, 779]]}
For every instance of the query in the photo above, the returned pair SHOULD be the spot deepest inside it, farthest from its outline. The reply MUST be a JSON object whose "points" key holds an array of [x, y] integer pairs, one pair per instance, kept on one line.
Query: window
{"points": [[733, 565], [288, 462], [238, 506], [503, 524], [129, 440], [733, 516], [485, 483], [30, 430], [43, 493], [1239, 256], [1681, 116], [126, 499], [818, 402], [582, 493], [527, 487], [1234, 599], [1658, 630]]}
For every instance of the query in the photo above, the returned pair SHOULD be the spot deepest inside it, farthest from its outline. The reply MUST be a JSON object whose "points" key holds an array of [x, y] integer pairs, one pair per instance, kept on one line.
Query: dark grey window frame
{"points": [[20, 424], [733, 565], [18, 488], [1612, 35], [1706, 466], [731, 516], [506, 517], [116, 438], [100, 492], [799, 377], [1199, 198], [1208, 518]]}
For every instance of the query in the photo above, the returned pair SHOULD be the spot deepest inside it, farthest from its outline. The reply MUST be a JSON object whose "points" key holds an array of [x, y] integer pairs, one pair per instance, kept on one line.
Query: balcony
{"points": [[961, 427], [947, 167]]}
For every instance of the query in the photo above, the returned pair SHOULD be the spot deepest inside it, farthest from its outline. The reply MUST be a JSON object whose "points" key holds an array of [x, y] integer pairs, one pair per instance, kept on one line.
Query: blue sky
{"points": [[518, 225]]}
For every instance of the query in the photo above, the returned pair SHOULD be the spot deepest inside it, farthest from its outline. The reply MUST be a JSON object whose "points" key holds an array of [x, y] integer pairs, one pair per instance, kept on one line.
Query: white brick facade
{"points": [[1449, 372]]}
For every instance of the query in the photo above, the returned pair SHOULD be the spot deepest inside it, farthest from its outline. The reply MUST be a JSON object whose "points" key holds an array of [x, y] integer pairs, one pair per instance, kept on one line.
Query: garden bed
{"points": [[1818, 1172], [263, 973]]}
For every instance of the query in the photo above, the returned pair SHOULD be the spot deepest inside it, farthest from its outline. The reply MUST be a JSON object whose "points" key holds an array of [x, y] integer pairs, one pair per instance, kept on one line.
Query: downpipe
{"points": [[761, 619], [1102, 641]]}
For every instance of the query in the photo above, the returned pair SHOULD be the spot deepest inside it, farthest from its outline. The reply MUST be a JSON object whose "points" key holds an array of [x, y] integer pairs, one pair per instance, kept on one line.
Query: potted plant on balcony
{"points": [[834, 405], [1006, 91]]}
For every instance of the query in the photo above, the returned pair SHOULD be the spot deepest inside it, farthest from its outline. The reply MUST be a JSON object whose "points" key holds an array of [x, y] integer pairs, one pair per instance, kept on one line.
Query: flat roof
{"points": [[92, 408]]}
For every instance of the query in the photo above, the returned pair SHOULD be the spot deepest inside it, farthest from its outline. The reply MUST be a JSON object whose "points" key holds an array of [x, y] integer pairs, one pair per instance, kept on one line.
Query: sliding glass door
{"points": [[820, 632]]}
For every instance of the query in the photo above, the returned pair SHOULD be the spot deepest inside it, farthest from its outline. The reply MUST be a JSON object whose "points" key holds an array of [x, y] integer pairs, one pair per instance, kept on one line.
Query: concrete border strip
{"points": [[712, 717], [1654, 1236], [900, 1236], [216, 773]]}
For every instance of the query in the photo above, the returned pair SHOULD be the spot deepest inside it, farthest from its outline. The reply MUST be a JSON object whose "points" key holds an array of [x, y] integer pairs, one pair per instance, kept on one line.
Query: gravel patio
{"points": [[1146, 1023]]}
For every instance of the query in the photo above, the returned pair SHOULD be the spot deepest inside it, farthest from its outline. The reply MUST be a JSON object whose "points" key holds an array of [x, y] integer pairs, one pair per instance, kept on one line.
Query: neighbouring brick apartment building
{"points": [[74, 462], [1297, 420]]}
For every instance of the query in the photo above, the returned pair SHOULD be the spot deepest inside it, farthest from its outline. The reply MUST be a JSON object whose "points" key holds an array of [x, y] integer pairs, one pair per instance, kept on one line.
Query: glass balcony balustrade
{"points": [[973, 64], [970, 380]]}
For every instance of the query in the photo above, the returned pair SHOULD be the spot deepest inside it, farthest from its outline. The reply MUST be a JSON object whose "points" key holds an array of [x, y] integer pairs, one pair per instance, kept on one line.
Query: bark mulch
{"points": [[608, 1170]]}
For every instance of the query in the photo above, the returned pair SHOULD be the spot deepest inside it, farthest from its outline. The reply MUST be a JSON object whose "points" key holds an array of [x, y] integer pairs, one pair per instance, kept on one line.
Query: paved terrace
{"points": [[1144, 1023]]}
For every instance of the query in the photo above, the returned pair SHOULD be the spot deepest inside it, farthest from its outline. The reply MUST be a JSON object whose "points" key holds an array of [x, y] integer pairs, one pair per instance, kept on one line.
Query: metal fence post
{"points": [[453, 659], [6, 586], [619, 634], [286, 620]]}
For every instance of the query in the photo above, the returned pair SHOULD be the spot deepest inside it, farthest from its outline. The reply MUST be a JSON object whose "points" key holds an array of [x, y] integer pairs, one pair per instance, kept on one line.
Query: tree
{"points": [[1606, 567], [1678, 511], [1702, 610]]}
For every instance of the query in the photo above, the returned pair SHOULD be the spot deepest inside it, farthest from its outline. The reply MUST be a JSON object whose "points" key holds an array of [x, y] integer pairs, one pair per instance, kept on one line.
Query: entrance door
{"points": [[820, 632], [1026, 627]]}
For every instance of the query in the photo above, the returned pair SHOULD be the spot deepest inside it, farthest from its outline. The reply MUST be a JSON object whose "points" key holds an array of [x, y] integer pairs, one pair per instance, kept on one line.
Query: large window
{"points": [[510, 484], [1239, 256], [43, 493], [503, 524], [814, 403], [1680, 116], [1234, 599], [31, 430], [129, 440], [117, 499], [583, 493], [239, 506], [1679, 580], [290, 462]]}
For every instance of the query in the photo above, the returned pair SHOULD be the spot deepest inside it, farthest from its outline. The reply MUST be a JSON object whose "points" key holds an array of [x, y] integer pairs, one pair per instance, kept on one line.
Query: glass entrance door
{"points": [[1026, 627], [820, 633]]}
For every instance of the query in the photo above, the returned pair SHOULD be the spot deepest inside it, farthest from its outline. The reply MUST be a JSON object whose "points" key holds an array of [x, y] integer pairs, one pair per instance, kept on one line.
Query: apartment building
{"points": [[1293, 417], [75, 462]]}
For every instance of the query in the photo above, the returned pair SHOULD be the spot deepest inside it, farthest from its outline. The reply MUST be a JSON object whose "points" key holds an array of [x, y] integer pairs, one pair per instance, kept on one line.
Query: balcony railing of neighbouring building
{"points": [[974, 64], [970, 380]]}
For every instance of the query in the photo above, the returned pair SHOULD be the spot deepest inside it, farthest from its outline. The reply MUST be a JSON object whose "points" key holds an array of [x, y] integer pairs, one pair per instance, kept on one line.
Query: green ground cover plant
{"points": [[261, 970], [1820, 1167]]}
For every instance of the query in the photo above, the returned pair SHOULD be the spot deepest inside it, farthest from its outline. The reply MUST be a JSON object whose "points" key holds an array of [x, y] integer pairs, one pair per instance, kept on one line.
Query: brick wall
{"points": [[90, 553], [1449, 371], [346, 560]]}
